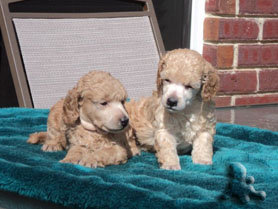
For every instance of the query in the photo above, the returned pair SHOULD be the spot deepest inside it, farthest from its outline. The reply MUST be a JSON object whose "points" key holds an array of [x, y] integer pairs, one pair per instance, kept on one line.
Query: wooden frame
{"points": [[13, 51]]}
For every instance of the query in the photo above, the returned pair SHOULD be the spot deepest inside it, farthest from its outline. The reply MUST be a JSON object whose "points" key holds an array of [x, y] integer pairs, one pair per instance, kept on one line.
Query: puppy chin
{"points": [[90, 127], [113, 130], [173, 109], [87, 125]]}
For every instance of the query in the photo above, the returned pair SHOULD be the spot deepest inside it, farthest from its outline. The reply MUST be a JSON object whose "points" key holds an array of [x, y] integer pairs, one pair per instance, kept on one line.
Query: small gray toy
{"points": [[240, 184]]}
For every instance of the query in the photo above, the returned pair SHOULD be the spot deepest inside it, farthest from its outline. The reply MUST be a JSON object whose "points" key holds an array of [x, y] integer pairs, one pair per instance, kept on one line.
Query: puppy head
{"points": [[183, 74], [98, 101]]}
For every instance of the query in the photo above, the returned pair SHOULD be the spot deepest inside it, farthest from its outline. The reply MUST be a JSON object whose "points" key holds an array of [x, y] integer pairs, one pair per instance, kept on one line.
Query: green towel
{"points": [[139, 183]]}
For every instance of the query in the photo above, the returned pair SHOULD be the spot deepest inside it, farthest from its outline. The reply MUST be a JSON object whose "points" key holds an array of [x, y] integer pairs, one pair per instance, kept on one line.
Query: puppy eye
{"points": [[104, 103], [187, 87], [167, 80], [123, 101]]}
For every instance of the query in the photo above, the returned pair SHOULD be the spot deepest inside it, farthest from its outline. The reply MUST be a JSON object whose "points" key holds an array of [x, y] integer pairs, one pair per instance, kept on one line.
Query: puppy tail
{"points": [[37, 138]]}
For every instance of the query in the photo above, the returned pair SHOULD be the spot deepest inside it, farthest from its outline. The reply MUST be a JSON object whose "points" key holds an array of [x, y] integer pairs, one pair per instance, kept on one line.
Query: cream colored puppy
{"points": [[179, 117]]}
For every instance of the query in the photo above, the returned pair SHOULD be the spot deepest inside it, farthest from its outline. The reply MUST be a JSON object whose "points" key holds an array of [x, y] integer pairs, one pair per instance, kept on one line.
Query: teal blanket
{"points": [[139, 183]]}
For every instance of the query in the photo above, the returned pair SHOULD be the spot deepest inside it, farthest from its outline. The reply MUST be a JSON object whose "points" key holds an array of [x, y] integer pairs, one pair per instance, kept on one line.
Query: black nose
{"points": [[172, 102], [124, 121]]}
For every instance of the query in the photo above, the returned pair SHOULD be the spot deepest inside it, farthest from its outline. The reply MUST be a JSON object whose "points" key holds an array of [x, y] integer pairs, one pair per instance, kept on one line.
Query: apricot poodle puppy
{"points": [[91, 123], [179, 117]]}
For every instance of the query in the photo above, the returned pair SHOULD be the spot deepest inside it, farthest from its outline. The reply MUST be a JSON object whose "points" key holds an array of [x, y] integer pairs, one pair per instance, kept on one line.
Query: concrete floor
{"points": [[265, 117]]}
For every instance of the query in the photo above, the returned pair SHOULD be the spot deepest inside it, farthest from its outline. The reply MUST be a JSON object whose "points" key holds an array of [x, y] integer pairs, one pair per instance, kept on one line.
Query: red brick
{"points": [[222, 29], [270, 29], [257, 99], [212, 5], [238, 82], [238, 29], [220, 6], [252, 7], [211, 28], [257, 55], [223, 101], [268, 80], [227, 6], [225, 56], [210, 53], [220, 56]]}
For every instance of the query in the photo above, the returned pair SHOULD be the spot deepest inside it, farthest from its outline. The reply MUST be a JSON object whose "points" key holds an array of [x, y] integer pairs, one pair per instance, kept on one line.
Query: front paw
{"points": [[70, 160], [170, 166], [135, 151], [89, 162], [52, 147], [202, 161]]}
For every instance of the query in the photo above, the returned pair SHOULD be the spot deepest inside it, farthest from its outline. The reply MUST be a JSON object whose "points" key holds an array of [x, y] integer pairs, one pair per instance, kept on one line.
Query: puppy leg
{"points": [[55, 145], [107, 155], [56, 141], [112, 155], [51, 143], [202, 149], [74, 155], [166, 151], [37, 138], [80, 155], [134, 149], [131, 143]]}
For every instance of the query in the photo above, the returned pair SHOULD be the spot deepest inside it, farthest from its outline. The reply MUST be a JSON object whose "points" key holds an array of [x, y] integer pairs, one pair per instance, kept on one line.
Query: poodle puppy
{"points": [[179, 116], [91, 123]]}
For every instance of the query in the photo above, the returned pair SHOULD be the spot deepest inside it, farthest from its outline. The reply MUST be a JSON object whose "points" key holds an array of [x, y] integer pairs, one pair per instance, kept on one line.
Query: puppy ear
{"points": [[71, 107], [210, 81], [159, 81]]}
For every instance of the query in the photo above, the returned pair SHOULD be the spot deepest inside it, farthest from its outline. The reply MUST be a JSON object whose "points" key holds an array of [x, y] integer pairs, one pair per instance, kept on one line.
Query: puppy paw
{"points": [[135, 151], [70, 160], [33, 139], [36, 138], [202, 161], [88, 163], [52, 147], [170, 167]]}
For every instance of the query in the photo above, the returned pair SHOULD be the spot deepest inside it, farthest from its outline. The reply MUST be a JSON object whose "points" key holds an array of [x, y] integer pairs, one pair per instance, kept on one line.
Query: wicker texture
{"points": [[57, 52]]}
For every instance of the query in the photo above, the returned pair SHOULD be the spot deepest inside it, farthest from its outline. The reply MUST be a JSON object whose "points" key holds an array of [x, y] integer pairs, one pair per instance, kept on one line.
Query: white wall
{"points": [[197, 25]]}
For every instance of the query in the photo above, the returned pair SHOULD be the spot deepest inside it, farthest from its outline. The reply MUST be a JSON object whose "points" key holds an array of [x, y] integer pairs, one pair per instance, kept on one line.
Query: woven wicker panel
{"points": [[57, 52]]}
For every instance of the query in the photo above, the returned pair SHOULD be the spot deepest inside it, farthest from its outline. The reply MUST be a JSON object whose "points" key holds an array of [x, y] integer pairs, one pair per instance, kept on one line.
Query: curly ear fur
{"points": [[210, 81], [159, 81], [71, 107]]}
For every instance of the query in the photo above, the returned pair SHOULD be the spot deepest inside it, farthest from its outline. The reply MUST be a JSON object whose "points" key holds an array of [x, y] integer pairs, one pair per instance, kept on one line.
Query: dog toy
{"points": [[240, 184]]}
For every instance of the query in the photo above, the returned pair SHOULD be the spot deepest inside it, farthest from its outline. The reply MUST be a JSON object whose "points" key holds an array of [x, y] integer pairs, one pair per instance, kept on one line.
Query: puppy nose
{"points": [[124, 121], [172, 102]]}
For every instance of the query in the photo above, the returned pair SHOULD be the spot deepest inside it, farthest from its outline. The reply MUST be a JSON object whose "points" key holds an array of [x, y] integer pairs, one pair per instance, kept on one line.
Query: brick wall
{"points": [[241, 41]]}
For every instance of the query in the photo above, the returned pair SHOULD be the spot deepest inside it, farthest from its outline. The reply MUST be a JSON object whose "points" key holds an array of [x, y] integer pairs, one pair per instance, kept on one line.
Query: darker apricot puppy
{"points": [[91, 123]]}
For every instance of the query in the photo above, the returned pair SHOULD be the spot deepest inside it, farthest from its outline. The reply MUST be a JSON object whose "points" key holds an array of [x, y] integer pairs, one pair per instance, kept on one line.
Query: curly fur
{"points": [[88, 122], [191, 82]]}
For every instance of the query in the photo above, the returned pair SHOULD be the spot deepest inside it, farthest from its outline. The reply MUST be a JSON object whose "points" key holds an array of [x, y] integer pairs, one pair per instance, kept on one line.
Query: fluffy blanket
{"points": [[139, 183]]}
